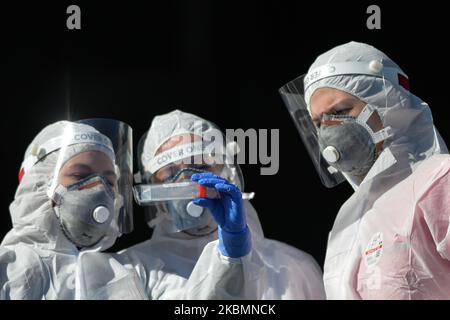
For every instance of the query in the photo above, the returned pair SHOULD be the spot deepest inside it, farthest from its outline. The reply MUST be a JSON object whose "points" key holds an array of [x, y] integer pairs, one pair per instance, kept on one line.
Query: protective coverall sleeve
{"points": [[222, 277], [217, 277], [435, 206], [22, 274]]}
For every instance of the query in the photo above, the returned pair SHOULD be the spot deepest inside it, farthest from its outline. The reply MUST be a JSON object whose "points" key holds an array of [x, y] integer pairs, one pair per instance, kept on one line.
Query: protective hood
{"points": [[33, 217], [368, 74]]}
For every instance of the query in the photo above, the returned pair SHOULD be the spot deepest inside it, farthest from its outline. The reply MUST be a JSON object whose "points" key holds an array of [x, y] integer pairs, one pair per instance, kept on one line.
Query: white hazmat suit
{"points": [[390, 239], [38, 261], [272, 270]]}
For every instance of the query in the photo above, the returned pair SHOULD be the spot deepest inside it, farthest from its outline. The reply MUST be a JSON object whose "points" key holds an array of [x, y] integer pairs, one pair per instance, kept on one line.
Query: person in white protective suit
{"points": [[74, 199], [361, 123], [188, 235]]}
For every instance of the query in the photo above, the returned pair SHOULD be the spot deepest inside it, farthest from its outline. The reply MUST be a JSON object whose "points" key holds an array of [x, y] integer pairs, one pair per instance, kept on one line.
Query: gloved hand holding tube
{"points": [[229, 213]]}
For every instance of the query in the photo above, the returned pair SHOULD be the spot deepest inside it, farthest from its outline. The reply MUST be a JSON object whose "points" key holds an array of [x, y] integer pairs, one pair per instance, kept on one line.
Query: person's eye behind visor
{"points": [[200, 163]]}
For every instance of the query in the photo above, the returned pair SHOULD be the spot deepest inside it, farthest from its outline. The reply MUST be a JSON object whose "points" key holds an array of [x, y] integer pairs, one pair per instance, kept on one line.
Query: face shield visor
{"points": [[293, 97], [342, 146], [166, 187], [91, 186], [121, 137]]}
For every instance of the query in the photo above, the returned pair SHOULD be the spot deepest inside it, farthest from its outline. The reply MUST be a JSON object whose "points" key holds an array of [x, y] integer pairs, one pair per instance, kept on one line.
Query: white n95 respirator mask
{"points": [[85, 209]]}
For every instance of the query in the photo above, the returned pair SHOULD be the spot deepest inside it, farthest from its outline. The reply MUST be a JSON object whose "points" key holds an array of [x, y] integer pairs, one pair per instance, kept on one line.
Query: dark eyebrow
{"points": [[86, 168], [348, 103], [81, 166]]}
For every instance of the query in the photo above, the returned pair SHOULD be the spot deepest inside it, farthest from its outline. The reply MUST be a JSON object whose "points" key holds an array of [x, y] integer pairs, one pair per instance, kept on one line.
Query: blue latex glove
{"points": [[229, 213]]}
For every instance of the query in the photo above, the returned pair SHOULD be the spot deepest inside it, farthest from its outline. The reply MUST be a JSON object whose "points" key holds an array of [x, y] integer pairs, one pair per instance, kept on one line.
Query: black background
{"points": [[222, 60]]}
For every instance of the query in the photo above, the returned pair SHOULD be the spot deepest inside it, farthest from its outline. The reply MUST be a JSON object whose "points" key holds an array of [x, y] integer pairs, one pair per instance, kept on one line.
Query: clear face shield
{"points": [[92, 184], [293, 96], [346, 140], [167, 189]]}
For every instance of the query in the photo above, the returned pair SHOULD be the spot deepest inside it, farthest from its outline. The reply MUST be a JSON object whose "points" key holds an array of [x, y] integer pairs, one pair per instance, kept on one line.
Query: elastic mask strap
{"points": [[362, 119], [57, 194], [382, 135], [365, 114]]}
